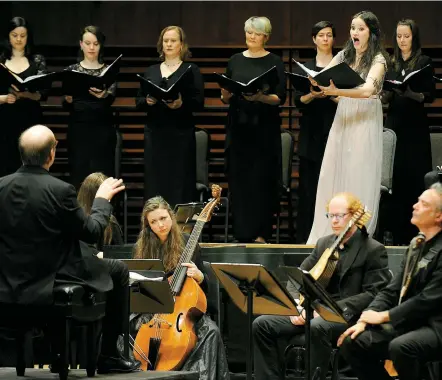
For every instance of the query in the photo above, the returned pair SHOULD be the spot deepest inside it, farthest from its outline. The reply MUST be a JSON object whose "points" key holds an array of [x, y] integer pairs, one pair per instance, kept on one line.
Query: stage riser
{"points": [[44, 374]]}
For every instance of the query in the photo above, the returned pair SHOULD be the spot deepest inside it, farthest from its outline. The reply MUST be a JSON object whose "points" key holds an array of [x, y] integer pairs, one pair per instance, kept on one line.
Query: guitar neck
{"points": [[187, 254]]}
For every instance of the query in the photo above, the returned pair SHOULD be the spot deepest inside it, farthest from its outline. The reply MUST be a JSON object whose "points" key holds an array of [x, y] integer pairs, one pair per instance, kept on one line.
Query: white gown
{"points": [[353, 157]]}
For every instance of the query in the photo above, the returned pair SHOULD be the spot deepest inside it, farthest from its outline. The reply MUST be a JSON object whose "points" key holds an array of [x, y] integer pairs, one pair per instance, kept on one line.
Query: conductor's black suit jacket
{"points": [[41, 224]]}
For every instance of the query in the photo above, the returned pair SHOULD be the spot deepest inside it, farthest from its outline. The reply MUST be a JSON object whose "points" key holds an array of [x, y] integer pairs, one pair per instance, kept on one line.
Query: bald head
{"points": [[35, 145]]}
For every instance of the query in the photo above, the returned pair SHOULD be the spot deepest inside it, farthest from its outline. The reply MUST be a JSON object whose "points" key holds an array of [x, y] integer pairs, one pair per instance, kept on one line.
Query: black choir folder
{"points": [[300, 82], [252, 87], [79, 83], [342, 75], [32, 83], [413, 79], [159, 93]]}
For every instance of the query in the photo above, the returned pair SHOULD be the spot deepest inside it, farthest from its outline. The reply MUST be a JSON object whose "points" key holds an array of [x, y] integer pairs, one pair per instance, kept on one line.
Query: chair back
{"points": [[388, 152], [213, 294], [202, 156], [436, 149], [287, 146]]}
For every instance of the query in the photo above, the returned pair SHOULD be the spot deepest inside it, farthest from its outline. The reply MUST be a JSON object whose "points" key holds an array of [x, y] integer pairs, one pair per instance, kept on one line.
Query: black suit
{"points": [[41, 224], [414, 334], [361, 272]]}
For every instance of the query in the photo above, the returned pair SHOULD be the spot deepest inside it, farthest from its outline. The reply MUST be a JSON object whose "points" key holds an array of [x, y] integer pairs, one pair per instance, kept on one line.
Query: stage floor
{"points": [[44, 374]]}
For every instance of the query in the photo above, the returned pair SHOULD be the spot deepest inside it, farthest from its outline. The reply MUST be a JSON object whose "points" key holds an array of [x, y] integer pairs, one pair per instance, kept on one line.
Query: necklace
{"points": [[170, 65]]}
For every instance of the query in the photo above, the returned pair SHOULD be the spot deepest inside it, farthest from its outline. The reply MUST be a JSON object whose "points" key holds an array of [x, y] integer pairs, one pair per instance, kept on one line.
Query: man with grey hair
{"points": [[404, 321], [41, 226]]}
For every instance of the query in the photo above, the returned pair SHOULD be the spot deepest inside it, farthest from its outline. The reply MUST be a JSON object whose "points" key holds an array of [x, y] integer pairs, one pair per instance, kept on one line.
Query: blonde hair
{"points": [[149, 246], [185, 52], [260, 24], [354, 203]]}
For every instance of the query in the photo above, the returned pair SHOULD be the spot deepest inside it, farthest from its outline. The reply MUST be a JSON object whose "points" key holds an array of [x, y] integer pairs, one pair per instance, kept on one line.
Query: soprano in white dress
{"points": [[353, 154]]}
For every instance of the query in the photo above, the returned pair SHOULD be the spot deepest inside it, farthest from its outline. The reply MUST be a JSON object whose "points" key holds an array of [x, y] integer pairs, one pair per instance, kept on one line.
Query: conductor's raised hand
{"points": [[109, 188], [68, 98], [330, 90]]}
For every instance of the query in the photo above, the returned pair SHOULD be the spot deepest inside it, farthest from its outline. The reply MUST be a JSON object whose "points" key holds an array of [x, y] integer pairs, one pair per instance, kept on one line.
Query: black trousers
{"points": [[268, 329], [409, 352], [116, 306]]}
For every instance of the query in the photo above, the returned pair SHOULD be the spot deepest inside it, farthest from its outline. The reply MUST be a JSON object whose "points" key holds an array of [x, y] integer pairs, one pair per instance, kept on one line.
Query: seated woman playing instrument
{"points": [[160, 237]]}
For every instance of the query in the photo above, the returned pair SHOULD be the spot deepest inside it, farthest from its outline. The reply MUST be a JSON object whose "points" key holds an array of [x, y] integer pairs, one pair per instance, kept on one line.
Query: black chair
{"points": [[287, 145], [202, 138], [388, 152], [213, 295], [73, 306]]}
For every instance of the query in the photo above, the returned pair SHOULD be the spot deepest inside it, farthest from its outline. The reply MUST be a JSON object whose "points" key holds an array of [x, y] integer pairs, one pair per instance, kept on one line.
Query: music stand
{"points": [[147, 296], [186, 215], [254, 290], [316, 297]]}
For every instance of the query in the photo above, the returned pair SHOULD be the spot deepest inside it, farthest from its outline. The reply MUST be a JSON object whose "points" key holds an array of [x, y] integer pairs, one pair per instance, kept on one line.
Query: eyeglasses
{"points": [[340, 216]]}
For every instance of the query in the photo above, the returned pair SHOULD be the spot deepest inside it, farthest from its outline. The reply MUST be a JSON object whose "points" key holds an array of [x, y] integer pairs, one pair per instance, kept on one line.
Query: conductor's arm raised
{"points": [[90, 228]]}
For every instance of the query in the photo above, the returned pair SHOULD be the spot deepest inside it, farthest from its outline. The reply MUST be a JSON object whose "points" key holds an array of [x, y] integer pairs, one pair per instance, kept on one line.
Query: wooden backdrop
{"points": [[213, 23]]}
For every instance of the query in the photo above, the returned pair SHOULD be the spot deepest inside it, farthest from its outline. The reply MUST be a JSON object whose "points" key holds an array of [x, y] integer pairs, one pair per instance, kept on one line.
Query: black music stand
{"points": [[317, 298], [186, 215], [147, 296], [254, 290]]}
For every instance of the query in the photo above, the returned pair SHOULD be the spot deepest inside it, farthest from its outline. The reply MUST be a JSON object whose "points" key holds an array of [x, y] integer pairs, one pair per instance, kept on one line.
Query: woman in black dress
{"points": [[408, 118], [253, 146], [169, 135], [18, 110], [318, 112], [161, 237], [91, 133]]}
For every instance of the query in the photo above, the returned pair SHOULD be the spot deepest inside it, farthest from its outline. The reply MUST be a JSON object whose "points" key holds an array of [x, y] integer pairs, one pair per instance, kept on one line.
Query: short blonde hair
{"points": [[354, 204], [259, 24]]}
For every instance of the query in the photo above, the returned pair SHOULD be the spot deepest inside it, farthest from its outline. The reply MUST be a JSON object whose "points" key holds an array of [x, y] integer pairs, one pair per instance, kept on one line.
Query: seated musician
{"points": [[361, 271], [160, 237], [41, 225], [404, 326]]}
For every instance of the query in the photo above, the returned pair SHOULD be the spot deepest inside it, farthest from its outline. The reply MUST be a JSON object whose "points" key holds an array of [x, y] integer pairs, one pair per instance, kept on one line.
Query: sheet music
{"points": [[136, 277]]}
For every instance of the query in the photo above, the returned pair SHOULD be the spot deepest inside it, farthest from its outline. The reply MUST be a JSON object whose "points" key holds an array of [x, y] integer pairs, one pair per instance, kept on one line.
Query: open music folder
{"points": [[159, 93], [413, 79], [251, 87], [342, 75], [32, 83], [79, 83]]}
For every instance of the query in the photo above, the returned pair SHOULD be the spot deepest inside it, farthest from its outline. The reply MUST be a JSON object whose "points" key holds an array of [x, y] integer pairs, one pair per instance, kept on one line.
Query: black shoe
{"points": [[116, 364], [54, 367]]}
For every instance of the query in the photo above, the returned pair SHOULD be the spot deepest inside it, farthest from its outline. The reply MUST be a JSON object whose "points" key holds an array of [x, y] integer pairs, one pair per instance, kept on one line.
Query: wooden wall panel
{"points": [[214, 23]]}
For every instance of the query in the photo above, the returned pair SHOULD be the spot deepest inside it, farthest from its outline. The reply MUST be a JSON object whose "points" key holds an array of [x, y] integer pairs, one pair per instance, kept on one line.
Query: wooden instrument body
{"points": [[176, 330], [323, 269]]}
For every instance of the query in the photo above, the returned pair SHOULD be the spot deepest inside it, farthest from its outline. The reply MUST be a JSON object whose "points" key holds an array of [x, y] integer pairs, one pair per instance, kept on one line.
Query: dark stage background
{"points": [[213, 23]]}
